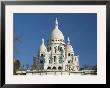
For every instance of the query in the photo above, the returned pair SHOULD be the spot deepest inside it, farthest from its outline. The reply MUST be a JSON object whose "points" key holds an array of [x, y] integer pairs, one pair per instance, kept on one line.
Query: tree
{"points": [[85, 67], [27, 66], [89, 67], [16, 62], [16, 65], [94, 67], [34, 66], [23, 67]]}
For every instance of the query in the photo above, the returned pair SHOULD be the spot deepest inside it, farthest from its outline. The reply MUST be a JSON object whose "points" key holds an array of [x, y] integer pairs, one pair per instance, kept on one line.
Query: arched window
{"points": [[55, 49], [60, 61], [49, 61], [42, 55], [68, 61], [58, 48], [68, 54], [48, 49], [54, 58], [41, 61]]}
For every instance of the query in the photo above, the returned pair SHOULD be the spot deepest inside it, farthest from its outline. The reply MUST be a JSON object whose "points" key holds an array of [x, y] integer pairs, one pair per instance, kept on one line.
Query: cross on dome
{"points": [[42, 41], [68, 42], [56, 23], [68, 39]]}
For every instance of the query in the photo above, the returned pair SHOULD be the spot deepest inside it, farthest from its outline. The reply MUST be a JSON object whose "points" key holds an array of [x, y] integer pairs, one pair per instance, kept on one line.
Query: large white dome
{"points": [[56, 33]]}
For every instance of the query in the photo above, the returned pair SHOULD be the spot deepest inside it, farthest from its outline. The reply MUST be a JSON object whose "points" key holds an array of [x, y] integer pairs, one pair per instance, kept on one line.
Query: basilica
{"points": [[58, 54]]}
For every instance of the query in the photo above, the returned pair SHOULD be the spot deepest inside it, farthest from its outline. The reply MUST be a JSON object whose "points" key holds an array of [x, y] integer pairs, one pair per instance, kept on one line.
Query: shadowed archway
{"points": [[59, 68], [54, 68], [48, 68]]}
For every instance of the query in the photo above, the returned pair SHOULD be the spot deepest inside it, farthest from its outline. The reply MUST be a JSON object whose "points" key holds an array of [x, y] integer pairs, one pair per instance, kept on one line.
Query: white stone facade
{"points": [[58, 55]]}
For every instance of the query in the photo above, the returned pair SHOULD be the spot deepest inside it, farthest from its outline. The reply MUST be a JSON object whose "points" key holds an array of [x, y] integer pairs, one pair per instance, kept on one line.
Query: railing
{"points": [[56, 72]]}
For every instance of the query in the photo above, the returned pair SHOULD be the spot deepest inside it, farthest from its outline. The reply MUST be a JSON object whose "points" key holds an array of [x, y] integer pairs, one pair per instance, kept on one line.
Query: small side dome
{"points": [[43, 47], [69, 48]]}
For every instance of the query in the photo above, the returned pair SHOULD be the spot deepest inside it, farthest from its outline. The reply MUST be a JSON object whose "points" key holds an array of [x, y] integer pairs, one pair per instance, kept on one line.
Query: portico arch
{"points": [[48, 68], [54, 68], [59, 68]]}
